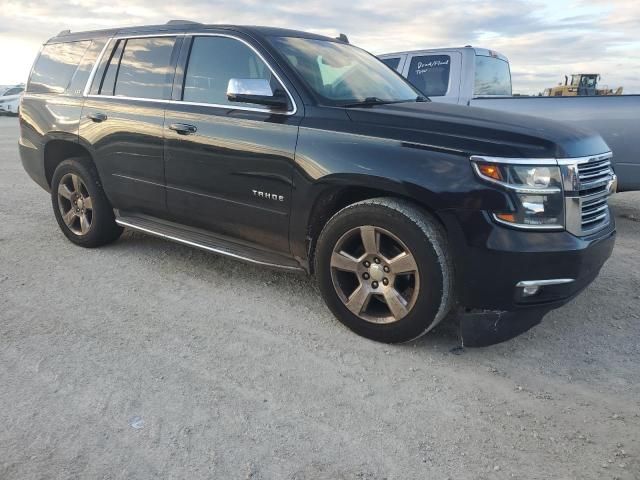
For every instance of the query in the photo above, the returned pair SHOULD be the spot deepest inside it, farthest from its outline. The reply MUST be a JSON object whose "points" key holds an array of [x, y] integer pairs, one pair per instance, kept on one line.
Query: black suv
{"points": [[303, 152]]}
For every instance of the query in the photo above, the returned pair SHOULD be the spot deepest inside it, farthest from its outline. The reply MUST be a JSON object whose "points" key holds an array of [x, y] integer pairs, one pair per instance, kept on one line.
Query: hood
{"points": [[477, 131]]}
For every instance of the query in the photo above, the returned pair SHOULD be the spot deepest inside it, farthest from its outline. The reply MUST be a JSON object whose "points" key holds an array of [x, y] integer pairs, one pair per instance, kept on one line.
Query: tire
{"points": [[76, 180], [414, 264]]}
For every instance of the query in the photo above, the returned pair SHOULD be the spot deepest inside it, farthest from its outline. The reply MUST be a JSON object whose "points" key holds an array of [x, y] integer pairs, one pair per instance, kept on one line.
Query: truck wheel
{"points": [[80, 206], [384, 270]]}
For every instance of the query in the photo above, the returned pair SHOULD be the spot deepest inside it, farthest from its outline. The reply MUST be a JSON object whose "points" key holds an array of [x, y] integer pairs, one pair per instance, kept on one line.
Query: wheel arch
{"points": [[338, 194], [57, 150]]}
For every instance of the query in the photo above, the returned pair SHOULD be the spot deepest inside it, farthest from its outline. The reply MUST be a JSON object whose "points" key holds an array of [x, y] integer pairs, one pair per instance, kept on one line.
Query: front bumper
{"points": [[491, 261]]}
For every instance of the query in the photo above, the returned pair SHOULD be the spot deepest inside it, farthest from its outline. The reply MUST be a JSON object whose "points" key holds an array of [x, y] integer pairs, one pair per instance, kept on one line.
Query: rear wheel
{"points": [[384, 270], [80, 206]]}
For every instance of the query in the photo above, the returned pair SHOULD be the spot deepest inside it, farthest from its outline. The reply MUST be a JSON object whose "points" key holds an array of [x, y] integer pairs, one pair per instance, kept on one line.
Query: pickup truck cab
{"points": [[479, 77], [302, 152]]}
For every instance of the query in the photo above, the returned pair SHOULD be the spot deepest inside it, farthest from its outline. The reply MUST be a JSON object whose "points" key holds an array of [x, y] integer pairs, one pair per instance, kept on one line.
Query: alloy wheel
{"points": [[75, 204], [375, 275]]}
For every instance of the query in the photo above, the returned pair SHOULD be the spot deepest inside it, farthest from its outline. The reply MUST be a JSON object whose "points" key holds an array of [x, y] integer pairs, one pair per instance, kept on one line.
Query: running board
{"points": [[205, 240]]}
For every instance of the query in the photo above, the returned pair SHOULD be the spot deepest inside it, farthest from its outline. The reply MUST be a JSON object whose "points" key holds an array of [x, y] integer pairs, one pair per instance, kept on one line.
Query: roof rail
{"points": [[64, 32], [178, 22]]}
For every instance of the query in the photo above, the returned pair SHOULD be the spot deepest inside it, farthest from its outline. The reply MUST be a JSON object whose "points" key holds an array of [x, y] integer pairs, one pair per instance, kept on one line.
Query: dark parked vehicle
{"points": [[303, 152]]}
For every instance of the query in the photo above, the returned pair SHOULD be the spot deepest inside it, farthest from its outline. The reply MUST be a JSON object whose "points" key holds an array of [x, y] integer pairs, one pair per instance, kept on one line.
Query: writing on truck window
{"points": [[430, 73]]}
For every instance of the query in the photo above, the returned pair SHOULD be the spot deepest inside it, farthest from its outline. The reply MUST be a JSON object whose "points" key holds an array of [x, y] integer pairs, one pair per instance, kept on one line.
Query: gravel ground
{"points": [[147, 359]]}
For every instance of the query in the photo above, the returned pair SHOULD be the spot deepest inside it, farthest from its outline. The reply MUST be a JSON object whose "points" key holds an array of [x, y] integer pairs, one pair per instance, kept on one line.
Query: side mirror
{"points": [[258, 91]]}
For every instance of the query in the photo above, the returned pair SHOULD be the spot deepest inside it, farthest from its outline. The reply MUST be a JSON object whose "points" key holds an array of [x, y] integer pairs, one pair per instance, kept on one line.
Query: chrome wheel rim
{"points": [[75, 204], [375, 275]]}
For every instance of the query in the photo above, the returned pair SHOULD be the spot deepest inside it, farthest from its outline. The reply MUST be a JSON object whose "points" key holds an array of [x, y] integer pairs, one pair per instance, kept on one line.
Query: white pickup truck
{"points": [[482, 78]]}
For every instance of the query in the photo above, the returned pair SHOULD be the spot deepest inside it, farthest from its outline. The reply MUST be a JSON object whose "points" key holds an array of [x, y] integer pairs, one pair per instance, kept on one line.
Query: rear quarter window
{"points": [[430, 74], [493, 77], [54, 68]]}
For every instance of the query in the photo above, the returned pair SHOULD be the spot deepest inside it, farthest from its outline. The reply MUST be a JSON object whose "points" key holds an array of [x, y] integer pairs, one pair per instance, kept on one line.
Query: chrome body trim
{"points": [[581, 160], [544, 283], [519, 226], [205, 247], [180, 102], [515, 161], [249, 86], [87, 86], [542, 161]]}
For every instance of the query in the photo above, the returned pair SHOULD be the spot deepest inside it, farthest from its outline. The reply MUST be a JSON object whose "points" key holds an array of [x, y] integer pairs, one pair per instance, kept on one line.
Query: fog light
{"points": [[530, 290]]}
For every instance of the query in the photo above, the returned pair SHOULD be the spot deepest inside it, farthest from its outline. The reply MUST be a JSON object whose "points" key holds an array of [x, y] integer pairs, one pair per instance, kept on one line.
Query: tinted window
{"points": [[145, 68], [81, 76], [109, 79], [213, 61], [55, 67], [393, 63], [492, 76], [430, 73]]}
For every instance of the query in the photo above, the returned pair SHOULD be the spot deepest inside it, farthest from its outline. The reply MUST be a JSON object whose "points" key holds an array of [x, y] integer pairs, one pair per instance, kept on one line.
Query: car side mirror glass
{"points": [[255, 90]]}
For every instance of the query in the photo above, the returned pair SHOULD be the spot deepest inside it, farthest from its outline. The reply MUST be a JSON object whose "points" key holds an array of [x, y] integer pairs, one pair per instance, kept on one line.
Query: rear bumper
{"points": [[492, 260]]}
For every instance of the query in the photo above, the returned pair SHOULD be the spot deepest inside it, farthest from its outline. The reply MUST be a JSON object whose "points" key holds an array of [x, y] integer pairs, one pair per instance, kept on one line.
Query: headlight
{"points": [[536, 191]]}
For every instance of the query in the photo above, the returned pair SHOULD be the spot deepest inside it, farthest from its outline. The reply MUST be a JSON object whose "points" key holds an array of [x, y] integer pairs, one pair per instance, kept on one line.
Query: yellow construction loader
{"points": [[582, 84]]}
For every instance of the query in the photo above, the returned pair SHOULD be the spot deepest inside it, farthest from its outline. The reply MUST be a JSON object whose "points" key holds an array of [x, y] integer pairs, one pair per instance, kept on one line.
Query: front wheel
{"points": [[384, 270]]}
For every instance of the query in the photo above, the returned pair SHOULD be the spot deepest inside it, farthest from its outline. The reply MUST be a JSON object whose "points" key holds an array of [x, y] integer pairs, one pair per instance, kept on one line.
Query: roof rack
{"points": [[178, 22]]}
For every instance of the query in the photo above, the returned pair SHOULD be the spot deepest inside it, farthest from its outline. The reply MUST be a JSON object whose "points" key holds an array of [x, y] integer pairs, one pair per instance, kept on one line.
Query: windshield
{"points": [[342, 74]]}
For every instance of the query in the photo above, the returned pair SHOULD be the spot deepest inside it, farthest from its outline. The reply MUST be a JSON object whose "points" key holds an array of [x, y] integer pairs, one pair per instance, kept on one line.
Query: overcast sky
{"points": [[543, 39]]}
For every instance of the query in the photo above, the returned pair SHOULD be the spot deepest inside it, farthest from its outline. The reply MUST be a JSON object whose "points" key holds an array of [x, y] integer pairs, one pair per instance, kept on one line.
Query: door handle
{"points": [[183, 128], [97, 117]]}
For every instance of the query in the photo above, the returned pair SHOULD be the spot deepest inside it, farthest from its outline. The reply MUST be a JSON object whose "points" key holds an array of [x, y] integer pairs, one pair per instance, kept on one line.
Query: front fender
{"points": [[328, 162]]}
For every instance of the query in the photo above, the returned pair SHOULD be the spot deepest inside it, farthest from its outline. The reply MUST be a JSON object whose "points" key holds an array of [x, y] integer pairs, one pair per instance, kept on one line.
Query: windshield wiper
{"points": [[370, 101], [378, 101]]}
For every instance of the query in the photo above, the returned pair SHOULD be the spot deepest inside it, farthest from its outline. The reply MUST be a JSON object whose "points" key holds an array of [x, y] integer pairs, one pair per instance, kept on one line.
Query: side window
{"points": [[213, 61], [430, 74], [79, 81], [109, 80], [392, 63], [493, 76], [55, 67], [140, 68]]}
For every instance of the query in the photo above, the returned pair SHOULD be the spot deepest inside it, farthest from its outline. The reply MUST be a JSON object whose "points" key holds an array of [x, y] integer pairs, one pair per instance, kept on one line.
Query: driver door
{"points": [[228, 165]]}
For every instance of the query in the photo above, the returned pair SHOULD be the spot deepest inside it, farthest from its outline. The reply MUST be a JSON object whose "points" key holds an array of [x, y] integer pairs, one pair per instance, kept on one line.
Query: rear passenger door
{"points": [[436, 74], [232, 173], [123, 117]]}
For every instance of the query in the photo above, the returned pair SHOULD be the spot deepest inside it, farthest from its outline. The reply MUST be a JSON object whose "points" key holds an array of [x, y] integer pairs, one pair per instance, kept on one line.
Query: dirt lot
{"points": [[147, 359]]}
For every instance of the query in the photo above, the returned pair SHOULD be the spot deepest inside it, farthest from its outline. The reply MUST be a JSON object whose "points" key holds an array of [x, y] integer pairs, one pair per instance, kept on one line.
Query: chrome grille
{"points": [[595, 177]]}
